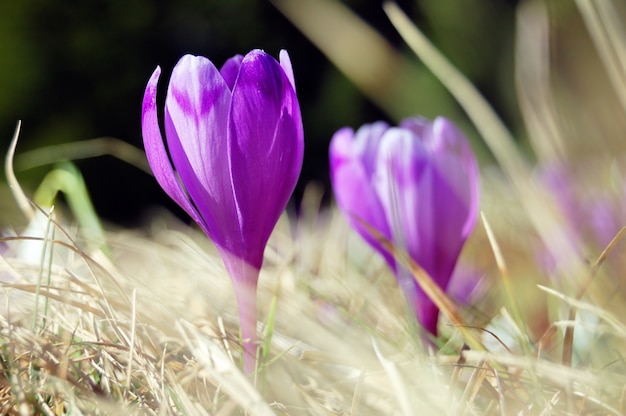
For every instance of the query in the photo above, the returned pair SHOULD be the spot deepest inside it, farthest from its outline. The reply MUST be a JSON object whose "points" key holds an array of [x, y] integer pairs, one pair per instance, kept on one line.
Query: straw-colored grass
{"points": [[152, 329]]}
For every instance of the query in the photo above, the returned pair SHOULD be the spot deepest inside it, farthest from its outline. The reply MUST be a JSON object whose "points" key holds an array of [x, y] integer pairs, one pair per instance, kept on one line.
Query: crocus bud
{"points": [[234, 152], [417, 185]]}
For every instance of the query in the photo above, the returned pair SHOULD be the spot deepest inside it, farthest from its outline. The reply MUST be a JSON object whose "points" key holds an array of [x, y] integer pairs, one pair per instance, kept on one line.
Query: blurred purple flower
{"points": [[594, 212], [417, 184], [590, 196], [234, 152]]}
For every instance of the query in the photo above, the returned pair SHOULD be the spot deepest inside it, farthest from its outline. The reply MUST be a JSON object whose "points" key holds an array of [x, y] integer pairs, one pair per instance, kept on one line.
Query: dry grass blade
{"points": [[568, 338], [382, 73], [609, 36], [398, 384], [493, 131], [426, 283], [601, 259], [84, 149], [16, 189], [508, 284], [613, 321], [532, 81]]}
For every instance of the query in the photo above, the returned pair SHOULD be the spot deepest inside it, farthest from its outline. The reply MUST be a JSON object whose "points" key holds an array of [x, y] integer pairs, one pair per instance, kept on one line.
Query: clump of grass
{"points": [[152, 329]]}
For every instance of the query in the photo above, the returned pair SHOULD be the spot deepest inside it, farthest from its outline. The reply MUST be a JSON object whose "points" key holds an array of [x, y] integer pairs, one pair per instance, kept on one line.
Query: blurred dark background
{"points": [[76, 70]]}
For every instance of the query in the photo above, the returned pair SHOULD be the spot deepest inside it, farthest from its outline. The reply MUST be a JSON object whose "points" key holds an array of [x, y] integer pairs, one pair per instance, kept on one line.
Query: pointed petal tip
{"points": [[444, 126], [156, 73], [340, 146], [343, 135], [149, 97], [148, 113], [230, 70], [285, 63]]}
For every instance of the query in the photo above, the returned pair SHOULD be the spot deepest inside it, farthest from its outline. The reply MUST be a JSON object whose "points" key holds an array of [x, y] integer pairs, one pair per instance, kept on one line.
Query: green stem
{"points": [[66, 178]]}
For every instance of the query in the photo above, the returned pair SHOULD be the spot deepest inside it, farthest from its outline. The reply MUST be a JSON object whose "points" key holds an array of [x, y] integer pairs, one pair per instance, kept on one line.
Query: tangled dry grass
{"points": [[151, 328]]}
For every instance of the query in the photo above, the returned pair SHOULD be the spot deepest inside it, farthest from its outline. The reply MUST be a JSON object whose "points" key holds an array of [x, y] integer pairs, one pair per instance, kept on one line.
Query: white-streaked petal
{"points": [[158, 158]]}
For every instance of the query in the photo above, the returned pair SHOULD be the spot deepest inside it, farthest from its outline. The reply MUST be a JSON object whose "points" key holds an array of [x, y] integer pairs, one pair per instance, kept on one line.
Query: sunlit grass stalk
{"points": [[133, 329], [45, 263], [609, 37], [491, 128], [533, 81], [568, 338], [508, 286], [14, 185], [395, 378], [614, 322], [365, 56], [84, 149]]}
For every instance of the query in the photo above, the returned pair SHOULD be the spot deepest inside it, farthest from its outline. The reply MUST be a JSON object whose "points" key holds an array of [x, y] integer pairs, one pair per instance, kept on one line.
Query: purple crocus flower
{"points": [[234, 152], [595, 212], [416, 184]]}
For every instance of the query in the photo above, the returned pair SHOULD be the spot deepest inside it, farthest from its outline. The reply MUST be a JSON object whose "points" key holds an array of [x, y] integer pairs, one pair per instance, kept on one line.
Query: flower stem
{"points": [[245, 278]]}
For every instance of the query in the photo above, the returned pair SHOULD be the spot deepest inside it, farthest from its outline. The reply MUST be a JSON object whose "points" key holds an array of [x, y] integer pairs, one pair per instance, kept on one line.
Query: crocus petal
{"points": [[467, 285], [604, 220], [196, 113], [351, 165], [429, 208], [366, 144], [403, 184], [418, 125], [456, 163], [155, 150], [285, 62], [265, 149], [230, 70]]}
